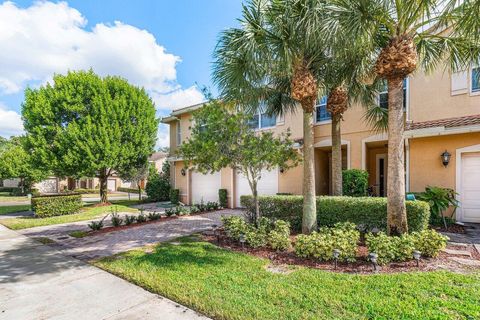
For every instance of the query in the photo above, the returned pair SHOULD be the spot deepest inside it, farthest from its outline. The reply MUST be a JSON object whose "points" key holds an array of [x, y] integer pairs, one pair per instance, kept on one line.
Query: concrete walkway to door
{"points": [[38, 282]]}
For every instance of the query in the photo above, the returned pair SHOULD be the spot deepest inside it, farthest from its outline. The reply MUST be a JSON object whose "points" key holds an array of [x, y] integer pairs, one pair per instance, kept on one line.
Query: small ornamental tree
{"points": [[17, 163], [83, 125], [223, 138]]}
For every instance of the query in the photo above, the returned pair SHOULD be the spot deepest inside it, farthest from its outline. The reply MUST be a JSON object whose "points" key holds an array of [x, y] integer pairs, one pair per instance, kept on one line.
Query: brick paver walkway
{"points": [[102, 245]]}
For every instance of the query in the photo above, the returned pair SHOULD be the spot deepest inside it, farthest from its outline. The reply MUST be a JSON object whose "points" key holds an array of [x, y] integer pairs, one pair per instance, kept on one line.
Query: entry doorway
{"points": [[381, 175]]}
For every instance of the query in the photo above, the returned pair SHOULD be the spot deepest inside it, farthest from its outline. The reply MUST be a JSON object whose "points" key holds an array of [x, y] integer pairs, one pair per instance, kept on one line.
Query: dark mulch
{"points": [[360, 266], [453, 228]]}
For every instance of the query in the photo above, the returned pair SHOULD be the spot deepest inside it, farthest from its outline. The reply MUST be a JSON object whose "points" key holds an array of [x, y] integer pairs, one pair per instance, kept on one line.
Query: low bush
{"points": [[175, 196], [154, 216], [279, 236], [428, 242], [439, 199], [10, 190], [85, 191], [235, 226], [96, 225], [320, 245], [130, 219], [158, 188], [223, 198], [141, 218], [116, 220], [178, 211], [355, 182], [369, 212], [56, 205], [129, 190]]}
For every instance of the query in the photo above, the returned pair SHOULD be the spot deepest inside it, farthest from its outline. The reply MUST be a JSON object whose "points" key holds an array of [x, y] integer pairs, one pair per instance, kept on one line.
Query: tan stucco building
{"points": [[442, 113]]}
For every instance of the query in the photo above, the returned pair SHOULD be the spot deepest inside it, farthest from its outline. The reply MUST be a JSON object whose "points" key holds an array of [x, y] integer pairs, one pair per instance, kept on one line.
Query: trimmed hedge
{"points": [[130, 190], [223, 198], [85, 191], [56, 205], [370, 212]]}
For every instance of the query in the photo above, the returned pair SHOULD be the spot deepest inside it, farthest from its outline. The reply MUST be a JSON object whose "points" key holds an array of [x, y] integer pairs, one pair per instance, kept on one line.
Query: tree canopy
{"points": [[84, 125]]}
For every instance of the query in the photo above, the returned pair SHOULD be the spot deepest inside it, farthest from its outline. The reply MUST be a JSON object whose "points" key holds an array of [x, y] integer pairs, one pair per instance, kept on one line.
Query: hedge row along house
{"points": [[442, 145]]}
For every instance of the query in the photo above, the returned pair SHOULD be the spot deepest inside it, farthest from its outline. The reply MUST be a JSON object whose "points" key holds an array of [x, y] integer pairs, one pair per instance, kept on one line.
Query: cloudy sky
{"points": [[164, 46]]}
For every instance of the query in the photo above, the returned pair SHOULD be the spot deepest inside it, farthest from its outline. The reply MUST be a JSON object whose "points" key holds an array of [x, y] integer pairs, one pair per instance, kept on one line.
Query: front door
{"points": [[381, 175]]}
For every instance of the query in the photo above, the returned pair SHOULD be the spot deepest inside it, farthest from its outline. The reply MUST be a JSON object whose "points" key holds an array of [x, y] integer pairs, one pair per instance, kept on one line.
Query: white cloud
{"points": [[163, 136], [48, 38], [10, 122]]}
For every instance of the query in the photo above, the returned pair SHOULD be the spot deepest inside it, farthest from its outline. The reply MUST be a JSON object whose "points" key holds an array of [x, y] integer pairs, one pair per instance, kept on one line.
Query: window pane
{"points": [[321, 110], [476, 79], [383, 100], [383, 94], [253, 122], [267, 121]]}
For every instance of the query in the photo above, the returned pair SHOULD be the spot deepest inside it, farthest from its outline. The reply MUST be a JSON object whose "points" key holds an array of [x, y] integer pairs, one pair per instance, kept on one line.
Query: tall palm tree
{"points": [[403, 35], [277, 57]]}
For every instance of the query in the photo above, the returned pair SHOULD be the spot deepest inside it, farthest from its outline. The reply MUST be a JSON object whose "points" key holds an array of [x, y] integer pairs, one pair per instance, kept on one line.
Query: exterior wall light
{"points": [[282, 170], [445, 158], [183, 172]]}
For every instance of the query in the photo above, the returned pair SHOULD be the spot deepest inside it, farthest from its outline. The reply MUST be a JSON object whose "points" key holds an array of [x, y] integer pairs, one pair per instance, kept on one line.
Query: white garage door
{"points": [[112, 184], [205, 187], [470, 193], [267, 185]]}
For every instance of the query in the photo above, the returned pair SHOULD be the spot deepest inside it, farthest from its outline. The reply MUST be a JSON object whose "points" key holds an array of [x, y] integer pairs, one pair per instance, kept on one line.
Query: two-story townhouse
{"points": [[442, 115]]}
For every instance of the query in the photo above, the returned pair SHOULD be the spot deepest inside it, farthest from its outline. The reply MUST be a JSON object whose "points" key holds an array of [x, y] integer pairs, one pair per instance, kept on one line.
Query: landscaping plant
{"points": [[141, 218], [439, 200], [154, 216], [223, 198], [175, 196], [129, 220], [116, 219], [56, 205], [96, 225], [429, 242], [355, 182]]}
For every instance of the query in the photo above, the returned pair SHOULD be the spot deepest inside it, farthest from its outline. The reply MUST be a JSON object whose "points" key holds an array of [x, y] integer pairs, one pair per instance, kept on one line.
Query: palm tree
{"points": [[403, 35], [277, 57]]}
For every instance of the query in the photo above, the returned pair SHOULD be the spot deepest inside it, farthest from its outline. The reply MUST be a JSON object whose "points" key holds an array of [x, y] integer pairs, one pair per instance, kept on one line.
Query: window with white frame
{"points": [[179, 134], [262, 120], [383, 94], [475, 78], [321, 113]]}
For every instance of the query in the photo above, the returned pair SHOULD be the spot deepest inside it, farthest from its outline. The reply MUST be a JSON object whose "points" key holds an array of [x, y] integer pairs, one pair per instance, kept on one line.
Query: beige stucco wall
{"points": [[291, 180], [181, 182], [426, 167]]}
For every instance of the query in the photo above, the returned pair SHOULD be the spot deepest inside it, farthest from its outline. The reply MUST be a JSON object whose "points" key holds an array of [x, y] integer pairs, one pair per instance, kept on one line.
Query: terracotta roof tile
{"points": [[447, 123]]}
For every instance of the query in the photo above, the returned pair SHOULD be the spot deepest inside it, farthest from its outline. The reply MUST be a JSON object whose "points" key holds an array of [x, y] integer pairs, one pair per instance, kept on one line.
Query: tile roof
{"points": [[157, 156], [446, 123]]}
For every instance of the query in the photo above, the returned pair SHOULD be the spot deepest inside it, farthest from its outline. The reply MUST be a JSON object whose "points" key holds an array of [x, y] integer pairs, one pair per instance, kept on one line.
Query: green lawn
{"points": [[12, 209], [227, 285], [87, 213], [6, 197]]}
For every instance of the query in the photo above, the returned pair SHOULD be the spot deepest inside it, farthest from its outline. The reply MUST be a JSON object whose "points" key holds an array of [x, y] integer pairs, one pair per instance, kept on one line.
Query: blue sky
{"points": [[165, 46]]}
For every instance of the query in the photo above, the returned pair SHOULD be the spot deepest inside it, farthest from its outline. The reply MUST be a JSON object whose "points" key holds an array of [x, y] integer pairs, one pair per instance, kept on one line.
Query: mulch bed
{"points": [[453, 228], [361, 266]]}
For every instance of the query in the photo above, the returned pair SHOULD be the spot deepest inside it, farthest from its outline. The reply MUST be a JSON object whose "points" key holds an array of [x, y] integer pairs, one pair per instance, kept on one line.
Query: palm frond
{"points": [[377, 118]]}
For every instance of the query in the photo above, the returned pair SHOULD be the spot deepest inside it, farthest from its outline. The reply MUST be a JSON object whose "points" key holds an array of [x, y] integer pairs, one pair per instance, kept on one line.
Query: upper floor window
{"points": [[383, 95], [262, 120], [321, 113], [476, 79], [179, 134]]}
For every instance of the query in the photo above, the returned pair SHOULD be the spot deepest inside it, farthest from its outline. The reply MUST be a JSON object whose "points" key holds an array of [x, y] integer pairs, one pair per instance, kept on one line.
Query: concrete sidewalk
{"points": [[38, 282]]}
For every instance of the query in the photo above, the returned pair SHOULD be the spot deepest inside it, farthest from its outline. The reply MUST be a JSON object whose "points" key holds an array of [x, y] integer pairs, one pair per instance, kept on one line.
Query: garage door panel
{"points": [[205, 186], [267, 185], [470, 187], [112, 185]]}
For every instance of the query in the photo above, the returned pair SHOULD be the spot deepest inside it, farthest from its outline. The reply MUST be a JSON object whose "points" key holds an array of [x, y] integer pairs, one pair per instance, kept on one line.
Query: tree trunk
{"points": [[139, 191], [309, 221], [257, 207], [396, 210], [336, 156], [103, 186]]}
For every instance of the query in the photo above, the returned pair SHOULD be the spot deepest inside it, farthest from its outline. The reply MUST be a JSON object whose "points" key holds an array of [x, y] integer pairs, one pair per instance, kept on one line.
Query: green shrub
{"points": [[158, 188], [141, 218], [116, 220], [56, 205], [130, 219], [429, 242], [154, 216], [11, 190], [279, 236], [256, 238], [96, 225], [175, 196], [130, 190], [178, 210], [382, 245], [320, 245], [367, 211], [85, 191], [235, 226], [439, 200], [223, 198], [355, 182]]}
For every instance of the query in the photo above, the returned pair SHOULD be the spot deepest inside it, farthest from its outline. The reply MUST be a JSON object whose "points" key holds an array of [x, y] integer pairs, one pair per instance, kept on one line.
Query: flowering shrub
{"points": [[320, 245]]}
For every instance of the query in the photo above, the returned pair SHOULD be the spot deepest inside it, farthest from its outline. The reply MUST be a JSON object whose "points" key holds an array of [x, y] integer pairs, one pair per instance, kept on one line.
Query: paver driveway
{"points": [[102, 245], [38, 282]]}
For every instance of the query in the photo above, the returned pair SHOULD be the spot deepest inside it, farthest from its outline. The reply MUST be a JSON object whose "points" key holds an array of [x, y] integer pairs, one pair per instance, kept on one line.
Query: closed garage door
{"points": [[112, 184], [205, 187], [267, 185], [470, 193]]}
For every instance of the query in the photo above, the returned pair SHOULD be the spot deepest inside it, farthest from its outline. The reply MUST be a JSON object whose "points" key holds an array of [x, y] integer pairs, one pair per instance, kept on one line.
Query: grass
{"points": [[12, 209], [44, 240], [87, 213], [6, 197], [78, 234], [226, 285]]}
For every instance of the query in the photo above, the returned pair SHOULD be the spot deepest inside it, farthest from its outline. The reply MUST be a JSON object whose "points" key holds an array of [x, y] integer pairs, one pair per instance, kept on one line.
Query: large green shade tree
{"points": [[83, 125]]}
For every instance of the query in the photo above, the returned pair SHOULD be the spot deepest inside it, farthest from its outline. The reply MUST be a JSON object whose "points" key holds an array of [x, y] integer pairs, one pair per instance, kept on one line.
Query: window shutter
{"points": [[459, 82]]}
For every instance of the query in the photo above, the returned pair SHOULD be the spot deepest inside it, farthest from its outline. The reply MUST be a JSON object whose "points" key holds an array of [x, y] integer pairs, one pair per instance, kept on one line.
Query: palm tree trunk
{"points": [[397, 213], [336, 156], [309, 221]]}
